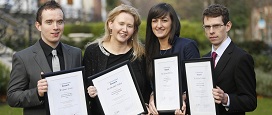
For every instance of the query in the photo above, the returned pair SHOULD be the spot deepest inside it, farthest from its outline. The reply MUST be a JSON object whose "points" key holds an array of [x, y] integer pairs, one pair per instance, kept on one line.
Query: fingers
{"points": [[182, 111], [152, 107], [92, 91], [218, 95], [42, 87]]}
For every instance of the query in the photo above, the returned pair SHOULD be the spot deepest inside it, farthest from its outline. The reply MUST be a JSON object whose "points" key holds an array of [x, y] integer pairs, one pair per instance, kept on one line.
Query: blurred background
{"points": [[251, 30]]}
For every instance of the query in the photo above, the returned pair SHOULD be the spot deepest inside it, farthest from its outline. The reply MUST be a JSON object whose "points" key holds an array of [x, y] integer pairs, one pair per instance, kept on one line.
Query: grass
{"points": [[7, 110], [264, 108]]}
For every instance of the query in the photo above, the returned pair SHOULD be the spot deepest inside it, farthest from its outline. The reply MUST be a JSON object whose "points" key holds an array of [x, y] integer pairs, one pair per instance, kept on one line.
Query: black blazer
{"points": [[235, 75]]}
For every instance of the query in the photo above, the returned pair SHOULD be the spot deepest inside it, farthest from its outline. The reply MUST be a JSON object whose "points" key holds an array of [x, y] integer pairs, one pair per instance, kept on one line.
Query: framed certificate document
{"points": [[200, 84], [66, 92], [167, 83], [118, 91]]}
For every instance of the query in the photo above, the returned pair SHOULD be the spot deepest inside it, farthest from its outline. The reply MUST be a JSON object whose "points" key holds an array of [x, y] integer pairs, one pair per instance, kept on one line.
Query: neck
{"points": [[116, 47], [53, 45], [164, 45]]}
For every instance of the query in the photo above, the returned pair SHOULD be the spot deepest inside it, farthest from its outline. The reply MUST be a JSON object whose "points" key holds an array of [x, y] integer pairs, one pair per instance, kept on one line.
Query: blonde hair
{"points": [[138, 49]]}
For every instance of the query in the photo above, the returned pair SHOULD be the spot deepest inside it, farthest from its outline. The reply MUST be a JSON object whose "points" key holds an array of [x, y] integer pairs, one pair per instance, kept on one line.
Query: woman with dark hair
{"points": [[162, 38]]}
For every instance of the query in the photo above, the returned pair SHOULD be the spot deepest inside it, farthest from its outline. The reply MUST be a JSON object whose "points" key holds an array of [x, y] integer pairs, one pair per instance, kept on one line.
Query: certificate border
{"points": [[127, 62], [204, 59], [53, 74], [180, 80]]}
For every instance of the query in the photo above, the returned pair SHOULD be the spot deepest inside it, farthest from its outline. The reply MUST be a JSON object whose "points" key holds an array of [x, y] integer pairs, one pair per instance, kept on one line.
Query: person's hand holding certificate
{"points": [[167, 83], [200, 85], [117, 91], [66, 93]]}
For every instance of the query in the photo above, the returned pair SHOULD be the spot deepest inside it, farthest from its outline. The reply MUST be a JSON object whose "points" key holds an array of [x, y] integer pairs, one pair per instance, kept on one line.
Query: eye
{"points": [[121, 23], [49, 22], [130, 26], [216, 26], [206, 27], [60, 22], [154, 20]]}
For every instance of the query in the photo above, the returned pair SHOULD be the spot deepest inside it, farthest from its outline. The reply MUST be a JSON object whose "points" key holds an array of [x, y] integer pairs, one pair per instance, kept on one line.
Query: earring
{"points": [[110, 32]]}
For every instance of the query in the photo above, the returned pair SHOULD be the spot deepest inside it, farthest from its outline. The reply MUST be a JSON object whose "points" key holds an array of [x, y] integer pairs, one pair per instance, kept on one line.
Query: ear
{"points": [[38, 26], [228, 25], [110, 24]]}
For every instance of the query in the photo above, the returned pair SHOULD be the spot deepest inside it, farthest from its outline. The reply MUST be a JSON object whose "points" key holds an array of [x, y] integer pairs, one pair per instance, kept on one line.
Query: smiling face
{"points": [[217, 31], [122, 27], [51, 26], [161, 26]]}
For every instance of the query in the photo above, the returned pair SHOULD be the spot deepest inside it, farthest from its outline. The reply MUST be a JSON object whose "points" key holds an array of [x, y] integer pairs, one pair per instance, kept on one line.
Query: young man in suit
{"points": [[26, 88], [234, 75]]}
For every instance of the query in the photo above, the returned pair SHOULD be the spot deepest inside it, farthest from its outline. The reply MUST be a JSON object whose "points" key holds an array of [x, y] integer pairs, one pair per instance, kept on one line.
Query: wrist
{"points": [[225, 98]]}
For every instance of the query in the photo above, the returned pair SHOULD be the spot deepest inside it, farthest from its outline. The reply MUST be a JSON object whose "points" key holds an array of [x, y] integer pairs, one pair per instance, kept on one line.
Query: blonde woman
{"points": [[119, 43]]}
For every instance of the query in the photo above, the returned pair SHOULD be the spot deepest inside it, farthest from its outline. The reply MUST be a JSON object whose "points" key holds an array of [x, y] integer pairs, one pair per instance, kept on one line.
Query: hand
{"points": [[182, 111], [92, 91], [219, 96], [152, 107], [42, 86]]}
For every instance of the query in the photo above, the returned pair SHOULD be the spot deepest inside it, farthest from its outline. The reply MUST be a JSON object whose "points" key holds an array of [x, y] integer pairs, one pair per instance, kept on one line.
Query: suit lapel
{"points": [[223, 61], [68, 57], [40, 58]]}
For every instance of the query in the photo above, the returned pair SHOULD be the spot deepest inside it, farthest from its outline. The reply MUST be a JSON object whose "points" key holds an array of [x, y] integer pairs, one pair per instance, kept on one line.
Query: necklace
{"points": [[164, 51]]}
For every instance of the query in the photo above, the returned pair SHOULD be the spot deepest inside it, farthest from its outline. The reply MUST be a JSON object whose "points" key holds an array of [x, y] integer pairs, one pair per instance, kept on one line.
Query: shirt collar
{"points": [[220, 50], [48, 49]]}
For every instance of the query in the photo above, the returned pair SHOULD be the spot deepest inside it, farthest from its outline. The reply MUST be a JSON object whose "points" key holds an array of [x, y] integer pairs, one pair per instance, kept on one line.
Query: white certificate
{"points": [[66, 95], [167, 83], [200, 85], [117, 91]]}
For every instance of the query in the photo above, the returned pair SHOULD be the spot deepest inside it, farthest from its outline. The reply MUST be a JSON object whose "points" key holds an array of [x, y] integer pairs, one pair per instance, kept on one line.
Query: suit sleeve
{"points": [[245, 99], [19, 95]]}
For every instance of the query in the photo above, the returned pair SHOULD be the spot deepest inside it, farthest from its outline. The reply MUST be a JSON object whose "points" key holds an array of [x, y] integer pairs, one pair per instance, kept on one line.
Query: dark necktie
{"points": [[214, 54]]}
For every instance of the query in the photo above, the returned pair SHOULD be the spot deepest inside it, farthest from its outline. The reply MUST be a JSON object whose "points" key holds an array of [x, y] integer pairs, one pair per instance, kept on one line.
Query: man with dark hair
{"points": [[234, 74], [26, 88]]}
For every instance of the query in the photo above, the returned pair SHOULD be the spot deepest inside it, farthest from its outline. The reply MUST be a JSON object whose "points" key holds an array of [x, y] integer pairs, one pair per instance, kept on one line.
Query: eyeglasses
{"points": [[215, 27]]}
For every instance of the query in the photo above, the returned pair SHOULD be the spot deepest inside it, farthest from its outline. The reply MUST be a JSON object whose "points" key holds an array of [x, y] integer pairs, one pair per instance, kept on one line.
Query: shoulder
{"points": [[184, 43], [72, 49], [179, 40], [27, 51]]}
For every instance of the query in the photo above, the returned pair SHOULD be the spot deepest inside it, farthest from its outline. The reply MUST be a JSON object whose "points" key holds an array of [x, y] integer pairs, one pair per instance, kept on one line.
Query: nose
{"points": [[125, 28], [211, 30], [55, 26], [159, 24]]}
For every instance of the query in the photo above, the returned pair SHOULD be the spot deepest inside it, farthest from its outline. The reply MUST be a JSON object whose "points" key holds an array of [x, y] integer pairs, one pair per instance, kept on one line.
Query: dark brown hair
{"points": [[216, 10], [47, 5]]}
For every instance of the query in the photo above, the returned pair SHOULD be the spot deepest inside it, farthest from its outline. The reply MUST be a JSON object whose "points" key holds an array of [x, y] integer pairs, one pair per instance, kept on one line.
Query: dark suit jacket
{"points": [[235, 75], [27, 66]]}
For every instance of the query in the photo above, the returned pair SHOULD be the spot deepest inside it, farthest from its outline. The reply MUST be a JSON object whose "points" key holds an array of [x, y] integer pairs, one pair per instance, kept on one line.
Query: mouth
{"points": [[123, 35], [213, 38], [55, 34]]}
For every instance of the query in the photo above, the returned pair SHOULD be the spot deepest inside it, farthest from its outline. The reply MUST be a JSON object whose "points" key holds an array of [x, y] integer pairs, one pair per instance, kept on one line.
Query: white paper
{"points": [[117, 93], [200, 85], [167, 83], [66, 94]]}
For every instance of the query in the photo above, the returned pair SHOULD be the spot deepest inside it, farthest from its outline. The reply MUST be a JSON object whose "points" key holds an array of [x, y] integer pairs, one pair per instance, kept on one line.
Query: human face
{"points": [[215, 30], [122, 27], [51, 27], [161, 26]]}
